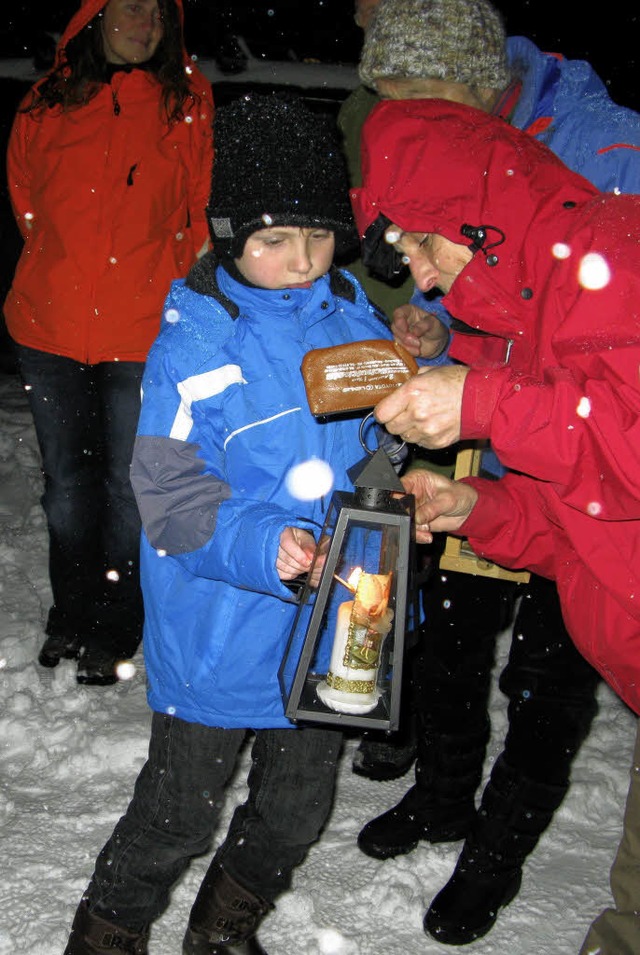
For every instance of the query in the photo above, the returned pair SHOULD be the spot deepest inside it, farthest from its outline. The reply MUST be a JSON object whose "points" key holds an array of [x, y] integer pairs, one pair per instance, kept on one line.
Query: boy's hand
{"points": [[295, 553], [421, 333]]}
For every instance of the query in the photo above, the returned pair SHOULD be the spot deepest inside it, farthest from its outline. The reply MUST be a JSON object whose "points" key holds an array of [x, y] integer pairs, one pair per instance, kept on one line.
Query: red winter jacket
{"points": [[116, 199], [562, 301]]}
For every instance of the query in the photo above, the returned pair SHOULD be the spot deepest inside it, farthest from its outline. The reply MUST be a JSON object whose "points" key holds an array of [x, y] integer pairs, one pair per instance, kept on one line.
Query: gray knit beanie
{"points": [[462, 41]]}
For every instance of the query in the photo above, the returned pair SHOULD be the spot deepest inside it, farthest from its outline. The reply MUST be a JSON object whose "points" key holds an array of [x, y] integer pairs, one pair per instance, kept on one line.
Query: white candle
{"points": [[350, 685]]}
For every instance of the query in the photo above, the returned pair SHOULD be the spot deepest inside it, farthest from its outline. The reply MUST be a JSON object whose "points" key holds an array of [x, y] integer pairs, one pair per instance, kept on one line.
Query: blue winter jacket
{"points": [[224, 419], [565, 105]]}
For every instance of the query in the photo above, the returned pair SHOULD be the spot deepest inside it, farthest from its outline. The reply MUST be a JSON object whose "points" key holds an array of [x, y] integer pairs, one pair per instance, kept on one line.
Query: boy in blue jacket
{"points": [[224, 423]]}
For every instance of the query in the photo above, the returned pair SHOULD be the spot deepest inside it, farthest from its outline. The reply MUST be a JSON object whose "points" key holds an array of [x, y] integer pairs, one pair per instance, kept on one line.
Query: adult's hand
{"points": [[426, 409], [441, 504], [420, 332]]}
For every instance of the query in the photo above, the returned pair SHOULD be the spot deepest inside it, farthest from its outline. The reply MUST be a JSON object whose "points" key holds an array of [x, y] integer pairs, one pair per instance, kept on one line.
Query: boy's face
{"points": [[286, 257]]}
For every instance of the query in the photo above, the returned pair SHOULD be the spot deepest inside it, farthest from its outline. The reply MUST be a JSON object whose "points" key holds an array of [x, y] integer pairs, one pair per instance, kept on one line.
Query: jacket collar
{"points": [[209, 277]]}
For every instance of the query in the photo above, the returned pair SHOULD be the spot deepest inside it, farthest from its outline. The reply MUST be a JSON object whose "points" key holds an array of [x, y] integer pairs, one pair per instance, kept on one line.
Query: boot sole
{"points": [[380, 775], [387, 852], [98, 670], [95, 680], [53, 659]]}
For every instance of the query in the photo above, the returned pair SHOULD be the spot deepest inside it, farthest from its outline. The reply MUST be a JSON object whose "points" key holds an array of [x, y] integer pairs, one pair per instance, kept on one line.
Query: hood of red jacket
{"points": [[87, 11], [436, 166]]}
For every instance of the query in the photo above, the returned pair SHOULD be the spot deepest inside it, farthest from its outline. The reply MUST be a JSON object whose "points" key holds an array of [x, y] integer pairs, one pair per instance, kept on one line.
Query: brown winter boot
{"points": [[92, 935], [224, 918]]}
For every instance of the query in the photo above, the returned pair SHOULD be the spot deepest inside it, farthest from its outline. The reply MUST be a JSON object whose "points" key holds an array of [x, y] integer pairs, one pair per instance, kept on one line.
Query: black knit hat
{"points": [[276, 163]]}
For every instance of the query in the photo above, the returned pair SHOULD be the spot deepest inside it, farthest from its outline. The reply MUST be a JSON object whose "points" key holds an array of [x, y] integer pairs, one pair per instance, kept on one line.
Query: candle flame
{"points": [[352, 582]]}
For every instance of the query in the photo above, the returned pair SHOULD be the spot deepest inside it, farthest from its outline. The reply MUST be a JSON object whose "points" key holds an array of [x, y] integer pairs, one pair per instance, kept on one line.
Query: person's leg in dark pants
{"points": [[66, 415], [120, 613], [86, 418], [551, 689], [452, 678], [552, 703], [291, 787]]}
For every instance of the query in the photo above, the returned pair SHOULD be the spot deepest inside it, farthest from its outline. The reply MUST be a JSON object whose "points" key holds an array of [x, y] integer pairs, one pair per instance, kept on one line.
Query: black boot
{"points": [[59, 647], [98, 667], [383, 757], [513, 814], [92, 935], [65, 633], [101, 657], [441, 806], [451, 680], [224, 918]]}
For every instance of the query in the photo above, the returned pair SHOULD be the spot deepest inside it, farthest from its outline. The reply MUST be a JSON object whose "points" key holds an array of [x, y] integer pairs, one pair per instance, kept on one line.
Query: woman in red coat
{"points": [[109, 168], [548, 268], [544, 272]]}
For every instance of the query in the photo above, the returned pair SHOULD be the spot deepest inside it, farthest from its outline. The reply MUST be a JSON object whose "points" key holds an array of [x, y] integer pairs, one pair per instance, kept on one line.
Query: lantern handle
{"points": [[363, 425]]}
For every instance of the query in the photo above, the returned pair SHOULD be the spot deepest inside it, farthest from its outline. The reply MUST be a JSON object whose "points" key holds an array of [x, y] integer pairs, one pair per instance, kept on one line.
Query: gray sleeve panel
{"points": [[178, 502]]}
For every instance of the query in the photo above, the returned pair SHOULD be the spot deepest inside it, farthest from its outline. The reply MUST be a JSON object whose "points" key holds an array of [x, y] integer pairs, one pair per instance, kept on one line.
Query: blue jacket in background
{"points": [[565, 105], [224, 420]]}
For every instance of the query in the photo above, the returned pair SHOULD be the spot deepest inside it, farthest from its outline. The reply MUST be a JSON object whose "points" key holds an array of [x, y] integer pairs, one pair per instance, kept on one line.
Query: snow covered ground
{"points": [[69, 756]]}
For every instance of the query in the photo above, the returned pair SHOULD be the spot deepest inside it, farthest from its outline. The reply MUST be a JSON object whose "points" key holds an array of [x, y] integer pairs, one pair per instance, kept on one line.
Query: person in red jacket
{"points": [[542, 273], [109, 164]]}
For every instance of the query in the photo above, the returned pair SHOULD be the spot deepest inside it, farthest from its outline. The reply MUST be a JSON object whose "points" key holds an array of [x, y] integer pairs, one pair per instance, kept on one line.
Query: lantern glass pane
{"points": [[337, 666]]}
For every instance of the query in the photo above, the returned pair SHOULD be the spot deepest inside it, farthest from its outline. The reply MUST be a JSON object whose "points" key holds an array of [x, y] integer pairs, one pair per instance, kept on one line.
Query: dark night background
{"points": [[324, 29], [321, 30]]}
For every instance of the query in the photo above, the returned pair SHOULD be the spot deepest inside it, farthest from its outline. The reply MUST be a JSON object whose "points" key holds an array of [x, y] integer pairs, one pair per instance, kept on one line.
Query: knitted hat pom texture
{"points": [[460, 41]]}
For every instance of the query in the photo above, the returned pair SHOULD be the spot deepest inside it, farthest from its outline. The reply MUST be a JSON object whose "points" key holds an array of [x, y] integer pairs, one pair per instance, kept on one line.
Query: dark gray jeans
{"points": [[176, 805], [86, 418]]}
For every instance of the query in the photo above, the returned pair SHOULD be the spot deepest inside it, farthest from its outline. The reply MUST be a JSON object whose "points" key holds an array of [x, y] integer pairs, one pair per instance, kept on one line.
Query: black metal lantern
{"points": [[343, 662]]}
